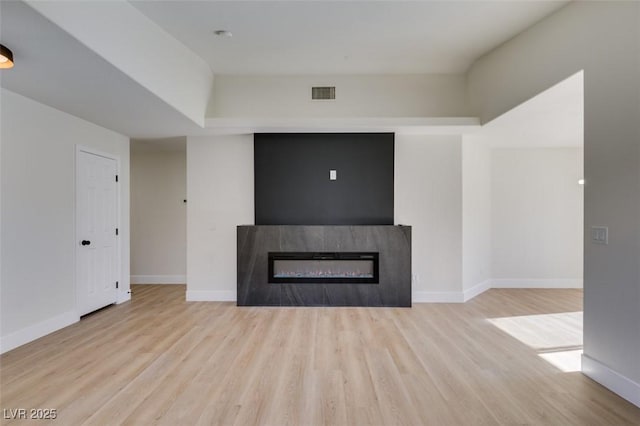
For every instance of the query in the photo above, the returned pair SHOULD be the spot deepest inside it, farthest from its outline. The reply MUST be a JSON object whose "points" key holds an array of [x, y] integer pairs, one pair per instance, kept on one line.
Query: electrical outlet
{"points": [[333, 174]]}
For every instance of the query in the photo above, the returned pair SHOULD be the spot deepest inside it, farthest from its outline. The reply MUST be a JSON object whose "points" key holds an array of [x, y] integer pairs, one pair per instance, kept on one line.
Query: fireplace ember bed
{"points": [[325, 268]]}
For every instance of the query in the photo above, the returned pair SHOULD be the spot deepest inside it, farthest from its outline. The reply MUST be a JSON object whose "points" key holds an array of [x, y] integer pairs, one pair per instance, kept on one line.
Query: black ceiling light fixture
{"points": [[6, 57]]}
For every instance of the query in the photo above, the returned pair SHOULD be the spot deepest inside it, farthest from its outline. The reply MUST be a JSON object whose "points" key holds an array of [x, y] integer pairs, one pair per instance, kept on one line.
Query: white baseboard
{"points": [[476, 290], [437, 297], [536, 283], [211, 296], [158, 279], [450, 296], [464, 296], [33, 332], [612, 380]]}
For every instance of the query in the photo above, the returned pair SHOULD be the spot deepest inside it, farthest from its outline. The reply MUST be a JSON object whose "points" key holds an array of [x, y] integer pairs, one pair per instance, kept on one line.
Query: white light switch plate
{"points": [[600, 234], [333, 175]]}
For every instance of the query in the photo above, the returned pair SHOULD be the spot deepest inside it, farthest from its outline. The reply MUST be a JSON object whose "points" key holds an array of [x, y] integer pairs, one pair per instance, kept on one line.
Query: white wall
{"points": [[356, 96], [220, 193], [476, 215], [603, 39], [220, 197], [38, 228], [443, 189], [537, 217], [158, 214], [428, 196]]}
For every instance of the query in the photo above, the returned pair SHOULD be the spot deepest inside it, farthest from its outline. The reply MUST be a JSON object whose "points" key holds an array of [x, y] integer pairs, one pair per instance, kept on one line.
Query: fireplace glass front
{"points": [[341, 267]]}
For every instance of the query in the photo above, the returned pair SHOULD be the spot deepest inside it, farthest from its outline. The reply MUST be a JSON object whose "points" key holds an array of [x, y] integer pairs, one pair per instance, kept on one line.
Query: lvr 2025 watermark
{"points": [[29, 413]]}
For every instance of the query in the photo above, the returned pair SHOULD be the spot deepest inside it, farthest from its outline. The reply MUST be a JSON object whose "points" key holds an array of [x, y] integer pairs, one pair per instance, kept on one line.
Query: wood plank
{"points": [[161, 360]]}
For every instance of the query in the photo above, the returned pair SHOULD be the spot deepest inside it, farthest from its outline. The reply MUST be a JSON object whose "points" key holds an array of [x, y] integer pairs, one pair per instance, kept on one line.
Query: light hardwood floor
{"points": [[159, 359]]}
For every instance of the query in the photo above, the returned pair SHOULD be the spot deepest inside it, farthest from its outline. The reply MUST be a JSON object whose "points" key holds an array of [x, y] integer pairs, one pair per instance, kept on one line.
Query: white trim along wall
{"points": [[38, 280], [478, 289], [158, 279]]}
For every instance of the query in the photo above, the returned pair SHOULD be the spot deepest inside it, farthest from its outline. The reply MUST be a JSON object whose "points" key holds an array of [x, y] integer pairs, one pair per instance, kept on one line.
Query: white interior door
{"points": [[96, 229]]}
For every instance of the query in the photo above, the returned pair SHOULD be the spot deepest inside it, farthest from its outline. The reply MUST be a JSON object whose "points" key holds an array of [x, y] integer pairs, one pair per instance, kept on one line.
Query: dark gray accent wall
{"points": [[292, 185], [393, 243]]}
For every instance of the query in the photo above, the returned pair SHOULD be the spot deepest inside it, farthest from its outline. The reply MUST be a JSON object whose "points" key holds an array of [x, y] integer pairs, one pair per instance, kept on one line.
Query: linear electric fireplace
{"points": [[303, 265], [309, 267]]}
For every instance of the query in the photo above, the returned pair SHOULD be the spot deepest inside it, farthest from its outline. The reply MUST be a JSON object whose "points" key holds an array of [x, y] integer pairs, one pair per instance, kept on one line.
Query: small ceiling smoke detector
{"points": [[223, 33], [6, 57]]}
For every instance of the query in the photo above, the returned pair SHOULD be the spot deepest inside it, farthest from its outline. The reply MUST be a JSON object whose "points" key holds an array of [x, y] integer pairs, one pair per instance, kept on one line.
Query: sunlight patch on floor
{"points": [[544, 332], [556, 337], [565, 361]]}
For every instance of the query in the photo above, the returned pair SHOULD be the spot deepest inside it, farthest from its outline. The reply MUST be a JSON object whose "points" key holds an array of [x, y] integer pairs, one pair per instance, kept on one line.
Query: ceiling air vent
{"points": [[326, 92]]}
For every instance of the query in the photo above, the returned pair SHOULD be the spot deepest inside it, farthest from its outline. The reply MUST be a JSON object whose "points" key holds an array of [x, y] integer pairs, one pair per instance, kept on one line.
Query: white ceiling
{"points": [[269, 37], [55, 69], [344, 37], [554, 118]]}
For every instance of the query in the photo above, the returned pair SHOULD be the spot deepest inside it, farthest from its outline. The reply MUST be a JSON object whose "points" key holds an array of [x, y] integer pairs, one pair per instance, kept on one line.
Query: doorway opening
{"points": [[537, 212], [158, 212]]}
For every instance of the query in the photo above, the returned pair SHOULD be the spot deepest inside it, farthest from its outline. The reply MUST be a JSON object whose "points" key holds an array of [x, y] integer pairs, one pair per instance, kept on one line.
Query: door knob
{"points": [[85, 242]]}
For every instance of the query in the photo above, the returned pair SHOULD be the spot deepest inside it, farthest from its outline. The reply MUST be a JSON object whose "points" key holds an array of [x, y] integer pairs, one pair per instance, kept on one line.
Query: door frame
{"points": [[89, 150]]}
